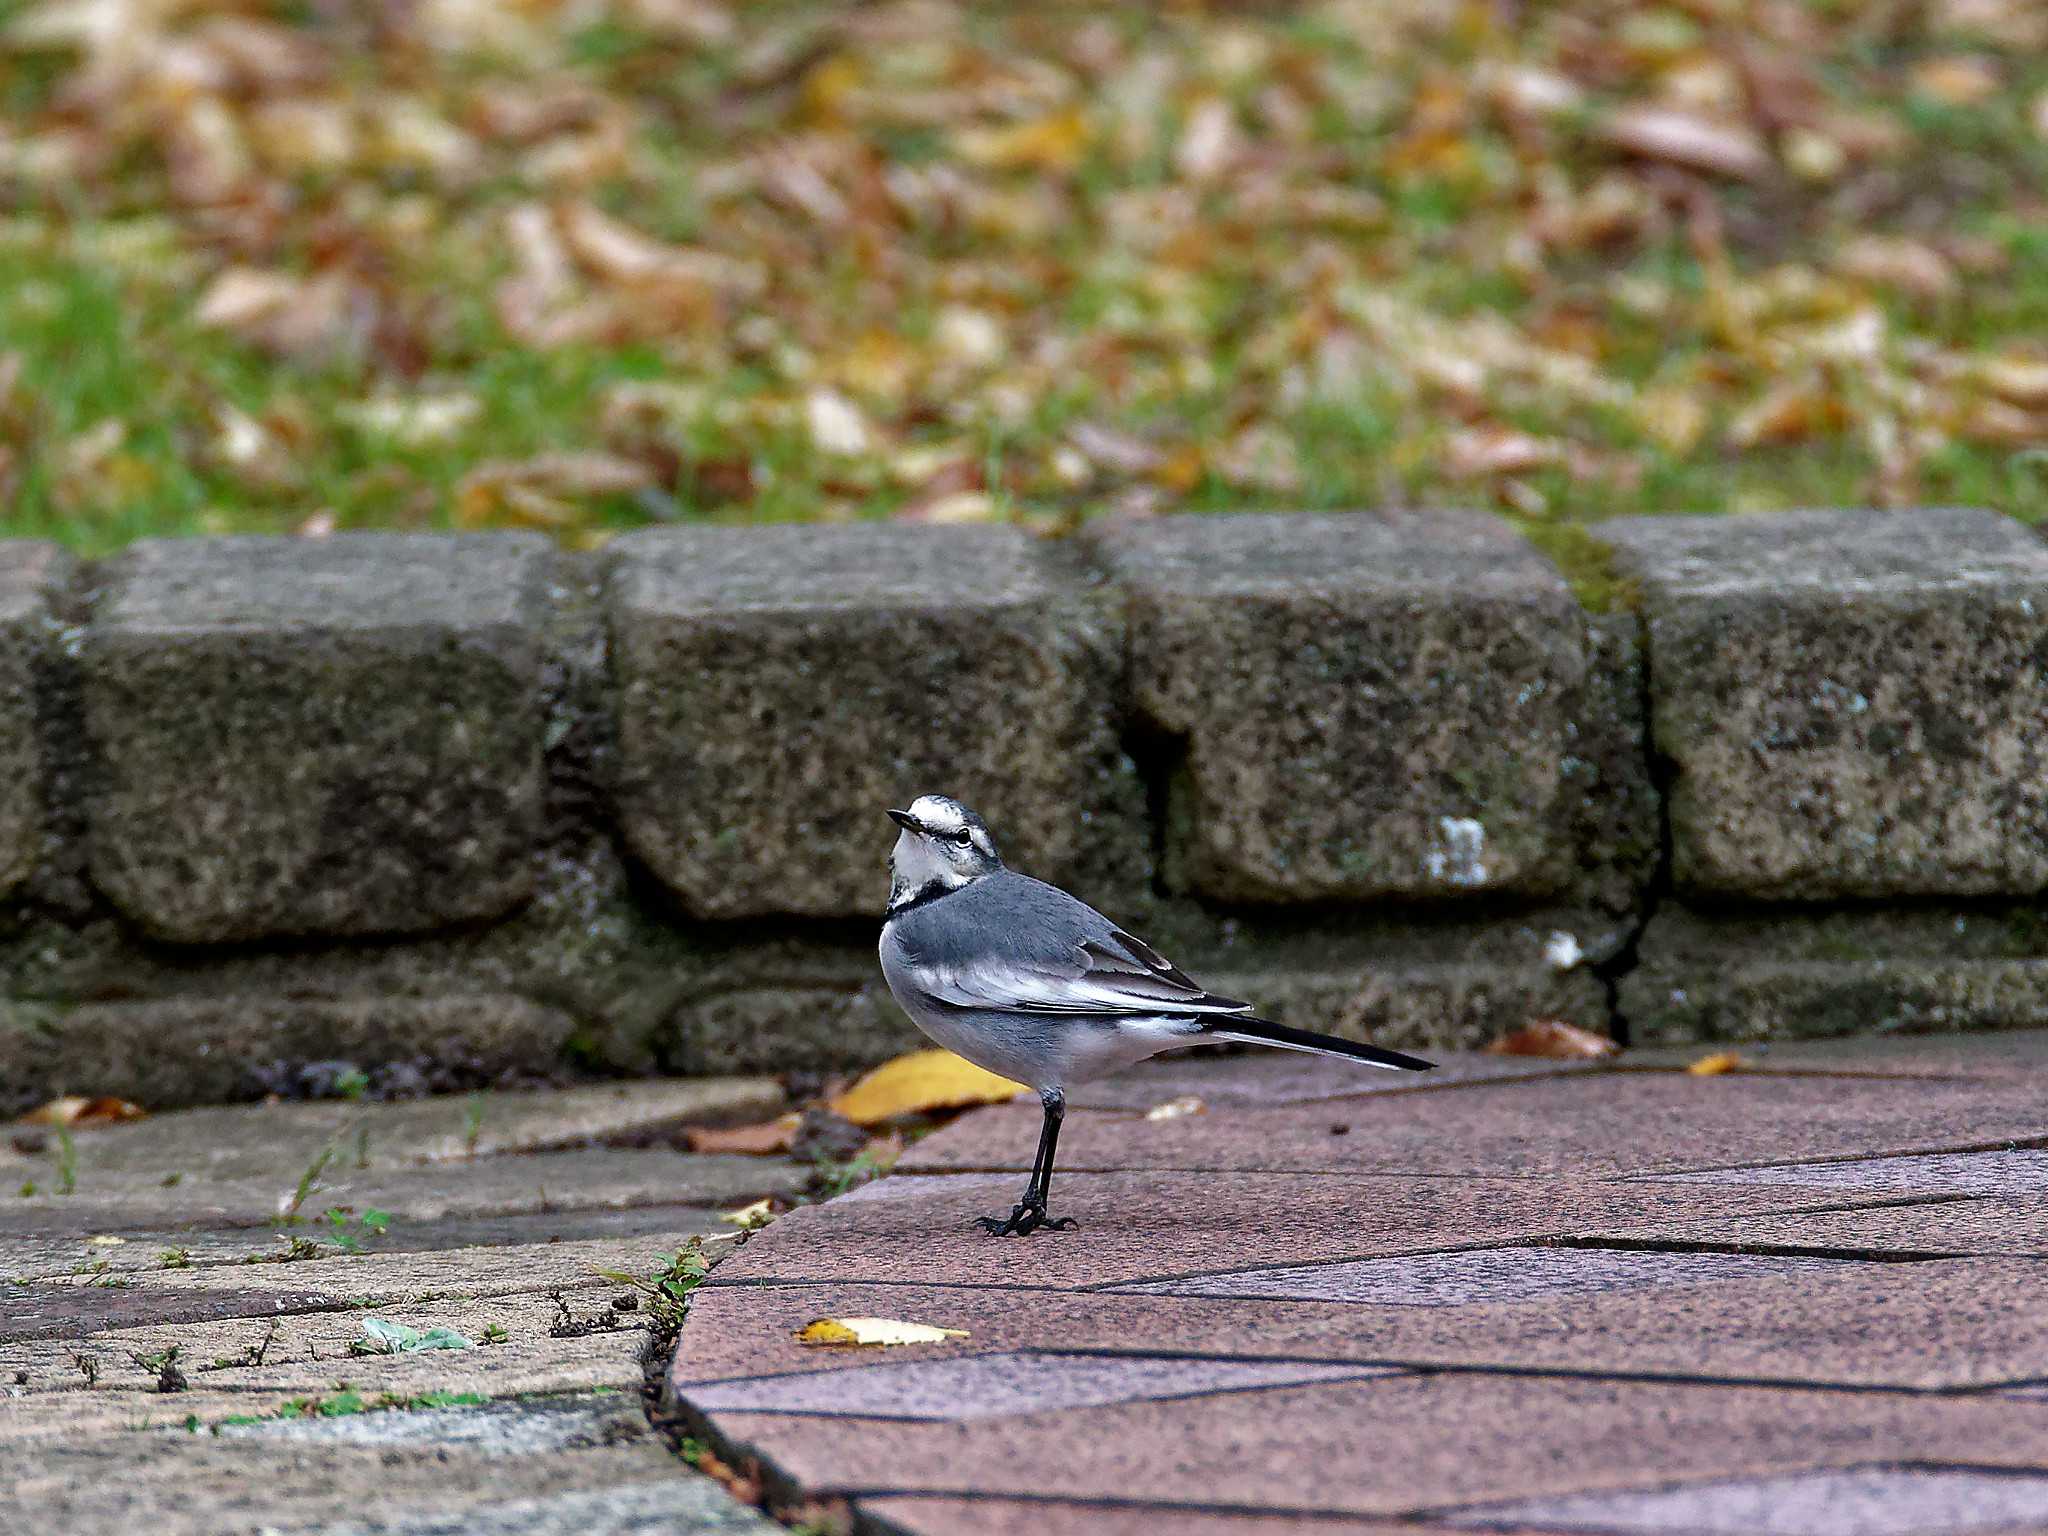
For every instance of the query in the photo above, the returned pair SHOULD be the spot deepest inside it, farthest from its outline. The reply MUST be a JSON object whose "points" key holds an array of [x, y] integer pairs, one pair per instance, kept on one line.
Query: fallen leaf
{"points": [[836, 424], [769, 1138], [1788, 413], [1906, 265], [105, 1240], [2022, 380], [920, 1081], [72, 1109], [1174, 1109], [544, 491], [1686, 139], [1053, 143], [1480, 452], [1957, 80], [1716, 1064], [750, 1218], [1553, 1038], [414, 421], [873, 1331]]}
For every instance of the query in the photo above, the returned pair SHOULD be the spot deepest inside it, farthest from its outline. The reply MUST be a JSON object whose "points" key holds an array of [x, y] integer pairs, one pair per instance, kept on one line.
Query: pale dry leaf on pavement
{"points": [[1715, 1064], [750, 1218], [873, 1332], [1175, 1109]]}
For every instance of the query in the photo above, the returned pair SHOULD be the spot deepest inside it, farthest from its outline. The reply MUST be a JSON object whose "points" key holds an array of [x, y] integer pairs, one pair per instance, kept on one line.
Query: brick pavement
{"points": [[1803, 1299]]}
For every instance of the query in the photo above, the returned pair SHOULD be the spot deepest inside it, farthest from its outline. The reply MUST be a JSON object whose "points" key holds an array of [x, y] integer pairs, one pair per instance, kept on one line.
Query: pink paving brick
{"points": [[1488, 1274], [1862, 1501], [1591, 1126], [1998, 1172], [1006, 1385], [1157, 1226]]}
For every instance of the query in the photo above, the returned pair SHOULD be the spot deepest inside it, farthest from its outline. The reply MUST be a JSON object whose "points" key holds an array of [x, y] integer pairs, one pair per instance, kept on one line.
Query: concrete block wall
{"points": [[446, 810]]}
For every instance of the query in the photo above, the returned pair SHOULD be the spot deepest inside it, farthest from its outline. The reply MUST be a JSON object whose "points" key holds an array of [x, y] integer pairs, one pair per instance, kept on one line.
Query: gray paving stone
{"points": [[674, 1506], [1863, 1501], [860, 651], [2020, 1172], [300, 737], [1317, 678], [497, 1429], [1853, 702], [29, 572], [589, 1178], [1005, 1385], [1487, 1274]]}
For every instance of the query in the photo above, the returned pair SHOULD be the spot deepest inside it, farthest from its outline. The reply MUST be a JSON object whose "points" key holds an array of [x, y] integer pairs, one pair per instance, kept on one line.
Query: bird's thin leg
{"points": [[1029, 1216]]}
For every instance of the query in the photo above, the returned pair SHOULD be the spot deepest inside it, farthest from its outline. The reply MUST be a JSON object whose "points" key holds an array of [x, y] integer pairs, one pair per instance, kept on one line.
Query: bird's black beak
{"points": [[905, 820]]}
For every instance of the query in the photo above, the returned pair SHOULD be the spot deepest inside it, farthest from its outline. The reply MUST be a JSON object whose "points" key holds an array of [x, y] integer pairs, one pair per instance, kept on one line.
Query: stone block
{"points": [[341, 737], [1789, 975], [1371, 707], [29, 572], [1854, 704], [778, 688]]}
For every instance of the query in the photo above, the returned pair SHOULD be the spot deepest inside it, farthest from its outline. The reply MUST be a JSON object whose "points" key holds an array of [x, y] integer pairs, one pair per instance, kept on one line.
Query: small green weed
{"points": [[350, 1230]]}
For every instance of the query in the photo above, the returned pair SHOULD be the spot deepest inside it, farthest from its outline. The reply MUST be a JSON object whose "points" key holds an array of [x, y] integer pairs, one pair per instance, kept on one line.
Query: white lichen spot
{"points": [[1562, 952], [1461, 857]]}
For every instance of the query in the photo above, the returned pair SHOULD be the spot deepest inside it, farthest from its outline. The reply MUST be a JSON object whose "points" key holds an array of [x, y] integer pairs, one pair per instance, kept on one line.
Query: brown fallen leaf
{"points": [[875, 1332], [76, 1110], [1716, 1064], [1555, 1039], [920, 1081], [767, 1139]]}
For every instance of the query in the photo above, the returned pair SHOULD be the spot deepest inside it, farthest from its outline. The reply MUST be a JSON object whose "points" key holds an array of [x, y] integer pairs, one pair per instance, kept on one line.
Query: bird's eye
{"points": [[963, 837]]}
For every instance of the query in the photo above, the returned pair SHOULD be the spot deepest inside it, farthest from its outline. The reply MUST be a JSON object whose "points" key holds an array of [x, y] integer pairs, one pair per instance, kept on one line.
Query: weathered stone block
{"points": [[780, 687], [1372, 706], [174, 1051], [1855, 704], [1847, 971], [333, 737], [29, 573]]}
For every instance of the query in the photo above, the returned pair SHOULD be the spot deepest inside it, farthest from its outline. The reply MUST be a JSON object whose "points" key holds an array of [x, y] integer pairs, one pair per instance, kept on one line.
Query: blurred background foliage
{"points": [[301, 265]]}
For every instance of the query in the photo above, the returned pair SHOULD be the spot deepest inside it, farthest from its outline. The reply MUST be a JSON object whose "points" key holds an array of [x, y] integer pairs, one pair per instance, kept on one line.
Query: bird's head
{"points": [[943, 846]]}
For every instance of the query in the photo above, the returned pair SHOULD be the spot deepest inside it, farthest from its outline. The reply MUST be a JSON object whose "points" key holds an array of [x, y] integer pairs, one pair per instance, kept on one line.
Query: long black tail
{"points": [[1263, 1032]]}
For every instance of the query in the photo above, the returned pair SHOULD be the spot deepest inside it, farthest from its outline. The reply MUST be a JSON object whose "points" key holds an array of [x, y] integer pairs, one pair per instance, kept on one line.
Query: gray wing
{"points": [[1017, 944]]}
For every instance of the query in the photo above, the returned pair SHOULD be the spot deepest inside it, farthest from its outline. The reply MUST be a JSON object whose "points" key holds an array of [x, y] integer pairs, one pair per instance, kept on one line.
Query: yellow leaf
{"points": [[919, 1081], [1054, 142], [1173, 1109], [750, 1218], [873, 1331], [1716, 1064]]}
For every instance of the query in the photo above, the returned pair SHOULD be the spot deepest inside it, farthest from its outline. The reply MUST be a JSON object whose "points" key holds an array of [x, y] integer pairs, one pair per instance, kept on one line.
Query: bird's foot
{"points": [[1023, 1221]]}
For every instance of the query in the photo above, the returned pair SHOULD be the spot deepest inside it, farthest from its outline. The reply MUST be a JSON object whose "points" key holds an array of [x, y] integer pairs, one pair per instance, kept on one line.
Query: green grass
{"points": [[1181, 321]]}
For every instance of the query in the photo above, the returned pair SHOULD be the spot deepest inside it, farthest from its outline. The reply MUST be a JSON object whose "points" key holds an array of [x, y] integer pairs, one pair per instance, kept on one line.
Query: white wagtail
{"points": [[1021, 978]]}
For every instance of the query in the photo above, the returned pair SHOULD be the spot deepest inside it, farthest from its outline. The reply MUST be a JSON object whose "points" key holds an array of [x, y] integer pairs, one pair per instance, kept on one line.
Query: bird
{"points": [[1037, 986]]}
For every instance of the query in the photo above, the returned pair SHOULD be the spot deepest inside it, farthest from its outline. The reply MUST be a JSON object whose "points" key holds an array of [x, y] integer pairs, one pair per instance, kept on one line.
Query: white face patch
{"points": [[946, 850]]}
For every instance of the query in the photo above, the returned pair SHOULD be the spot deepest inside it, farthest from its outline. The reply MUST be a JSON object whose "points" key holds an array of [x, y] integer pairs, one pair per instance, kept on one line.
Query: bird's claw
{"points": [[1023, 1221]]}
